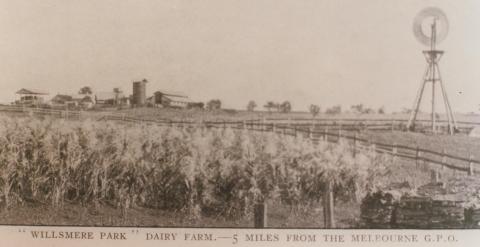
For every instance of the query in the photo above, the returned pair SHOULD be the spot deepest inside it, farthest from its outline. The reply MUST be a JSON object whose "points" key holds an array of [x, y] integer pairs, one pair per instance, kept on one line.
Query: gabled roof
{"points": [[81, 96], [31, 91], [172, 93], [62, 97], [178, 98]]}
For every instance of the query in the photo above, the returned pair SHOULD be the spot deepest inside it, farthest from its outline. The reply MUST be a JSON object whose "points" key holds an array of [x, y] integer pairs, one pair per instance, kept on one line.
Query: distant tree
{"points": [[314, 110], [285, 107], [368, 111], [357, 108], [251, 105], [407, 110], [334, 110], [214, 104], [269, 106], [381, 110], [85, 90]]}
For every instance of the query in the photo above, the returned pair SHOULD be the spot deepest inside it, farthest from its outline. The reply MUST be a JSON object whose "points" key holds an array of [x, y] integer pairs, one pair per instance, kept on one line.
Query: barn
{"points": [[170, 99]]}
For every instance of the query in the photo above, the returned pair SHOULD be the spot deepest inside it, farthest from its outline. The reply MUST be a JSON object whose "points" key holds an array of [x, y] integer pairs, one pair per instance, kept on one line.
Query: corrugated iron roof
{"points": [[31, 91], [172, 93], [178, 98]]}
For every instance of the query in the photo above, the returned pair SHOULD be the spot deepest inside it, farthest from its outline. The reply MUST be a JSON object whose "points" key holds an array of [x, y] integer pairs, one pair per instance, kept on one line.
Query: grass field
{"points": [[195, 114]]}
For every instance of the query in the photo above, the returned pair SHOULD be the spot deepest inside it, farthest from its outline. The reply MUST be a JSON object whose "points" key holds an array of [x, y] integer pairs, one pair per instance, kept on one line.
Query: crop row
{"points": [[192, 170]]}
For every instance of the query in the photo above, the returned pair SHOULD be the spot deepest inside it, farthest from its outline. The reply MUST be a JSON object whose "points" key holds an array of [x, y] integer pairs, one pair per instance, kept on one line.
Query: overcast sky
{"points": [[324, 52]]}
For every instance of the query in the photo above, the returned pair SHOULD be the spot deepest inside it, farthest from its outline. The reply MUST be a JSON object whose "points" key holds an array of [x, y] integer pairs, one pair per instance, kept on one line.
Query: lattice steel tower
{"points": [[437, 33]]}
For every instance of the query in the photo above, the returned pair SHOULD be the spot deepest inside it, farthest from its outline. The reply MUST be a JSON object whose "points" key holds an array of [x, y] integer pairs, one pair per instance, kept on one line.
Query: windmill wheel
{"points": [[424, 20]]}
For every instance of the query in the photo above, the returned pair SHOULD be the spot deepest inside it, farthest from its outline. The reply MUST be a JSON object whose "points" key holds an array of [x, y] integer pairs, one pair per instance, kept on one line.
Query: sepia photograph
{"points": [[305, 114]]}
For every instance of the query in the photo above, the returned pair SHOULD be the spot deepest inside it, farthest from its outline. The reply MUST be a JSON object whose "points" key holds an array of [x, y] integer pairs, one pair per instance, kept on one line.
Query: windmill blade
{"points": [[430, 13]]}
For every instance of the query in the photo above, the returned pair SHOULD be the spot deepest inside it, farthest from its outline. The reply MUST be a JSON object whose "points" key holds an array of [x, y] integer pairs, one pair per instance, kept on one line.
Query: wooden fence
{"points": [[329, 130], [414, 154]]}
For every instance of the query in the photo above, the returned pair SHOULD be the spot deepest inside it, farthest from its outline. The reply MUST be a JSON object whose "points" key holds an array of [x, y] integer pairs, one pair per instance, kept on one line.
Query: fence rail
{"points": [[417, 154], [330, 130]]}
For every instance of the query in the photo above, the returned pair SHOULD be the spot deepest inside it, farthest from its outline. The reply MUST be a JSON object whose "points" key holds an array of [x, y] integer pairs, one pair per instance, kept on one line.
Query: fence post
{"points": [[338, 135], [310, 133], [328, 206], [394, 152], [354, 145], [224, 125], [295, 131], [470, 165], [417, 156], [393, 125], [444, 159], [339, 132], [434, 176], [284, 130], [274, 130], [260, 215], [325, 134]]}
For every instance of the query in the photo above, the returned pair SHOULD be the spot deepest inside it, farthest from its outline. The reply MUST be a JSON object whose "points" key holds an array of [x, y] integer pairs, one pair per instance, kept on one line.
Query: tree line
{"points": [[286, 107]]}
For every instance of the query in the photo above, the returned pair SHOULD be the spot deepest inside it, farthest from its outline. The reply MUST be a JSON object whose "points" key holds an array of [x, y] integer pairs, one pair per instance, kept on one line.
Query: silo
{"points": [[139, 92]]}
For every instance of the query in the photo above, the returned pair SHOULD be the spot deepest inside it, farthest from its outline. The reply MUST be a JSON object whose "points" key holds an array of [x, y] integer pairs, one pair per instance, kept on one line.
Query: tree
{"points": [[381, 110], [251, 105], [357, 108], [337, 109], [314, 110], [270, 105], [214, 104], [85, 90], [368, 111], [285, 107]]}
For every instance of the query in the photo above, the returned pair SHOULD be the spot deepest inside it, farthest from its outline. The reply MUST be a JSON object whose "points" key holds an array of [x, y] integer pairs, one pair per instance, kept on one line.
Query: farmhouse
{"points": [[30, 97]]}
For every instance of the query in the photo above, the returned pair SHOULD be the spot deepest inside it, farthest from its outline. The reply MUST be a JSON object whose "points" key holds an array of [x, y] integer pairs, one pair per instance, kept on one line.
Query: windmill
{"points": [[430, 28]]}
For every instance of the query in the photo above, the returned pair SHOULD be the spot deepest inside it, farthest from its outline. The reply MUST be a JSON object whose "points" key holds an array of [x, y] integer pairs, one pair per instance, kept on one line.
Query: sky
{"points": [[323, 52]]}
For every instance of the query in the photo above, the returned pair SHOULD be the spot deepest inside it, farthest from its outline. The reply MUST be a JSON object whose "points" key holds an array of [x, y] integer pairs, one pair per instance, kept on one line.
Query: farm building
{"points": [[170, 99], [139, 93], [77, 100], [111, 99], [30, 97]]}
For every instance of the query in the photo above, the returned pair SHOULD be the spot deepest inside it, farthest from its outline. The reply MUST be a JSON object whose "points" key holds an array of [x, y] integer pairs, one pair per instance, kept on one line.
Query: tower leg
{"points": [[434, 119], [452, 122], [418, 100]]}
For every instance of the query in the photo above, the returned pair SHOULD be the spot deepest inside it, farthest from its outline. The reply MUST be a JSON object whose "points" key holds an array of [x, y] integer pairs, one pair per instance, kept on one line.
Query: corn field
{"points": [[197, 171]]}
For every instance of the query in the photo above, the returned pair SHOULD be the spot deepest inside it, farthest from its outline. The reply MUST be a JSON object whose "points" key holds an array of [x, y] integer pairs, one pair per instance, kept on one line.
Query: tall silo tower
{"points": [[139, 92]]}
